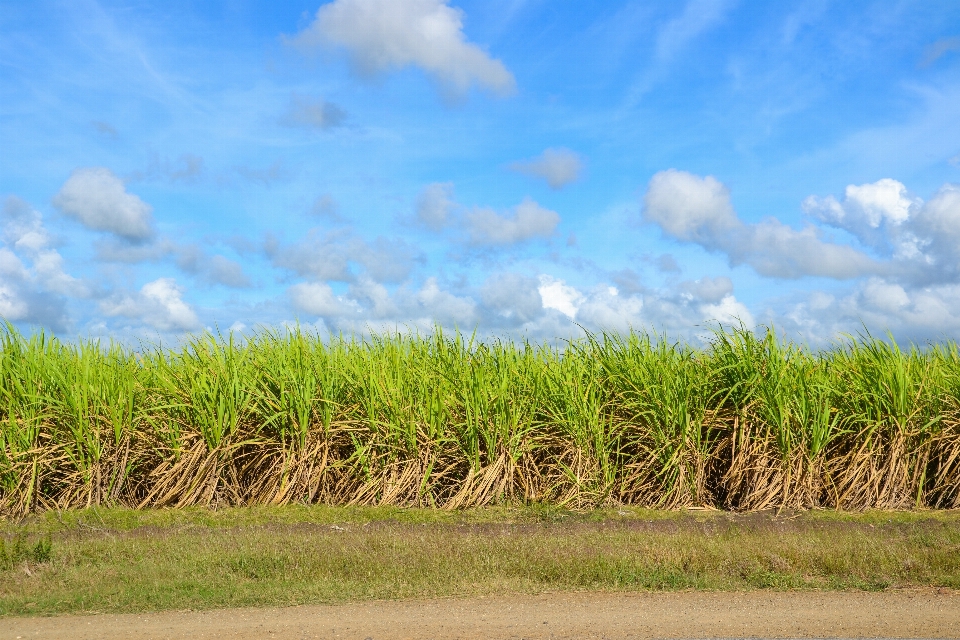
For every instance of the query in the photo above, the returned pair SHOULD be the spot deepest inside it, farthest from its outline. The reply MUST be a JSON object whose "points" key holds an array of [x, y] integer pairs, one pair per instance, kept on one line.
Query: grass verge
{"points": [[121, 560]]}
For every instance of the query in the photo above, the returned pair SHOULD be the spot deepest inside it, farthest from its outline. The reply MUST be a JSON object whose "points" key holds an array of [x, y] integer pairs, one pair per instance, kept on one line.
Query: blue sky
{"points": [[520, 167]]}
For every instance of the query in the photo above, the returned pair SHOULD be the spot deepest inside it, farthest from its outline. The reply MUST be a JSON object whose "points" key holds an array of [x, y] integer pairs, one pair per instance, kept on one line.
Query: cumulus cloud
{"points": [[435, 205], [527, 222], [934, 234], [920, 240], [337, 255], [99, 200], [315, 113], [709, 289], [190, 258], [608, 308], [899, 237], [628, 281], [381, 35], [12, 306], [558, 166], [728, 311], [556, 294], [34, 283], [690, 208], [159, 304], [909, 313], [698, 209], [223, 270], [444, 307], [318, 299], [542, 307], [869, 211], [512, 298], [604, 309], [666, 263], [776, 250], [915, 290], [368, 306], [113, 250], [215, 269]]}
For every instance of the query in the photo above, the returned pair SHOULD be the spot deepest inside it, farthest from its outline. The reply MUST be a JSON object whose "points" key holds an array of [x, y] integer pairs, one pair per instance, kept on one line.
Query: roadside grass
{"points": [[124, 560]]}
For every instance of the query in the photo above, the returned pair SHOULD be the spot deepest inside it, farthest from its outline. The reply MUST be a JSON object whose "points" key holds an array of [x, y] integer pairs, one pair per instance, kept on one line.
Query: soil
{"points": [[920, 613]]}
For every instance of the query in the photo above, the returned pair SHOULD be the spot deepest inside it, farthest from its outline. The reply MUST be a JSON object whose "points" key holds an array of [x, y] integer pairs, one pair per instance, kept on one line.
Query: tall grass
{"points": [[748, 422]]}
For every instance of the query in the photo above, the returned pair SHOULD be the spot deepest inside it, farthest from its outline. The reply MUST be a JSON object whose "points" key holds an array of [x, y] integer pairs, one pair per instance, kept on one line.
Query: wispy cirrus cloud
{"points": [[313, 113]]}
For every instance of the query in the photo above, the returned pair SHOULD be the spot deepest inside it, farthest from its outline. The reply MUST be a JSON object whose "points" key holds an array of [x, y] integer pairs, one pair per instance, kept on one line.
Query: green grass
{"points": [[748, 422], [144, 560]]}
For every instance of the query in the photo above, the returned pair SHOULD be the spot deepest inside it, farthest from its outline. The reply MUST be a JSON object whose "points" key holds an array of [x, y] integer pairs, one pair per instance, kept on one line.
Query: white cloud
{"points": [[11, 268], [605, 309], [512, 298], [935, 233], [435, 205], [374, 298], [444, 307], [558, 166], [775, 250], [35, 282], [190, 258], [12, 306], [545, 307], [883, 201], [222, 270], [333, 256], [114, 250], [689, 207], [99, 200], [729, 312], [317, 298], [49, 270], [884, 296], [529, 221], [695, 209], [867, 211], [709, 289], [215, 269], [380, 35], [921, 240], [917, 314], [158, 304], [368, 306], [557, 294]]}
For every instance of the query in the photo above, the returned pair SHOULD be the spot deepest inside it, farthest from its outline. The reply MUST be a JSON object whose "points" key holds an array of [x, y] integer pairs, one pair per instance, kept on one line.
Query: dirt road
{"points": [[896, 614]]}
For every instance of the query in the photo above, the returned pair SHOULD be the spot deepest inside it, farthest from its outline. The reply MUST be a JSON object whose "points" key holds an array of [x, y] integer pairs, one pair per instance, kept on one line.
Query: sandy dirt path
{"points": [[895, 614]]}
